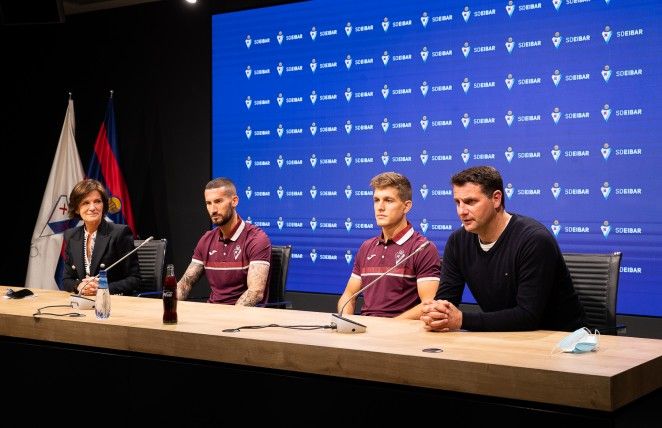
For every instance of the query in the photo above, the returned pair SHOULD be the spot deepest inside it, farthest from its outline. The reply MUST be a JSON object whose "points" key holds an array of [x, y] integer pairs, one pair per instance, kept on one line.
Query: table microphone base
{"points": [[80, 302], [345, 325]]}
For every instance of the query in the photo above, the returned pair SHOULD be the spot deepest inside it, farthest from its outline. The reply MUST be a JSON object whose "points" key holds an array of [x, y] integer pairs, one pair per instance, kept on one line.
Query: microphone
{"points": [[75, 297], [345, 325], [80, 302], [129, 253]]}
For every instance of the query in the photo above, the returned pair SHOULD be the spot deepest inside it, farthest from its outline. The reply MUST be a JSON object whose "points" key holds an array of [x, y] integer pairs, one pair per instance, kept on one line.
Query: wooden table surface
{"points": [[516, 365]]}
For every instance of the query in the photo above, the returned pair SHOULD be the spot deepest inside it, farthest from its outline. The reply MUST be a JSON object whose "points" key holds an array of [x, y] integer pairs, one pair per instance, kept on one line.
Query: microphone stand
{"points": [[345, 325], [114, 264], [129, 253]]}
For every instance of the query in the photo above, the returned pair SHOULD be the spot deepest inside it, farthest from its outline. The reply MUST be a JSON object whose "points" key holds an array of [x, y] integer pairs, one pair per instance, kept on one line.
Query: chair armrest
{"points": [[619, 329]]}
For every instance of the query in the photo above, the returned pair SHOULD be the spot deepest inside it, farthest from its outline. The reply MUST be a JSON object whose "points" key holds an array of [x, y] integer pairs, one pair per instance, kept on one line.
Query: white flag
{"points": [[67, 170]]}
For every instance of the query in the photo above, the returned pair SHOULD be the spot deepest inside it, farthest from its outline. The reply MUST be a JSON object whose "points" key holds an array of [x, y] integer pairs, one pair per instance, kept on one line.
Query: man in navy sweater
{"points": [[511, 263]]}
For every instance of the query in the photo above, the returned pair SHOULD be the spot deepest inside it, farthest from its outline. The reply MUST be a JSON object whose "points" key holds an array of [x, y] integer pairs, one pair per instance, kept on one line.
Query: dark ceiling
{"points": [[80, 6], [23, 12]]}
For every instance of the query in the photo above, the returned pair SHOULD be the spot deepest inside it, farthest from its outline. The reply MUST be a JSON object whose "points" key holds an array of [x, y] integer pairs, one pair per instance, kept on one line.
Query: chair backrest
{"points": [[280, 262], [595, 277], [151, 258]]}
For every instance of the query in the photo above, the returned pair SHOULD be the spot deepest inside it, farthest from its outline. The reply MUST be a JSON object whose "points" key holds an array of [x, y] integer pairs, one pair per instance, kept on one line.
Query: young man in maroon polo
{"points": [[400, 292], [235, 256]]}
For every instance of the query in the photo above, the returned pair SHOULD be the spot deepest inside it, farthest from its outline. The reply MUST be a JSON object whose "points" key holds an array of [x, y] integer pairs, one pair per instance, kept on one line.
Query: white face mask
{"points": [[581, 340]]}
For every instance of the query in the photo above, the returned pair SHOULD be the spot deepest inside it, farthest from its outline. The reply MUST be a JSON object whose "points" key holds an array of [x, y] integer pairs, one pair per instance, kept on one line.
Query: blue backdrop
{"points": [[311, 100]]}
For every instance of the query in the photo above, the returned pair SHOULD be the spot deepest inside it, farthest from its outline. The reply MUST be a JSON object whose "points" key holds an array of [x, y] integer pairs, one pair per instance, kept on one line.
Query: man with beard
{"points": [[235, 255]]}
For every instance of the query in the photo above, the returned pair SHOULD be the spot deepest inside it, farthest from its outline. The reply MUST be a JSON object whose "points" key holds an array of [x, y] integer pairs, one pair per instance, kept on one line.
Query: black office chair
{"points": [[280, 261], [151, 259], [595, 277]]}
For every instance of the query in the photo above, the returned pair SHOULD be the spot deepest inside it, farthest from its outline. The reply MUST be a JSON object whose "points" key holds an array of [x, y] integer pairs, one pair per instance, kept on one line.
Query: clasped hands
{"points": [[441, 315], [88, 286]]}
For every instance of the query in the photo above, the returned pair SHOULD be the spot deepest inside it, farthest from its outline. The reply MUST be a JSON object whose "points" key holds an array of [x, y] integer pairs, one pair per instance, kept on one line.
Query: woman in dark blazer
{"points": [[97, 244]]}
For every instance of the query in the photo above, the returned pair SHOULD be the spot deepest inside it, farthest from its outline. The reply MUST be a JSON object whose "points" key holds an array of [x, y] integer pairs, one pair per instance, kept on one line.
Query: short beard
{"points": [[226, 220]]}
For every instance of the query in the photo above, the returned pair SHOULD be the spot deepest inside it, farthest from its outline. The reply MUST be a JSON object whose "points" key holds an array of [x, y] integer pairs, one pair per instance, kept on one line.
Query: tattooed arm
{"points": [[258, 272], [186, 282]]}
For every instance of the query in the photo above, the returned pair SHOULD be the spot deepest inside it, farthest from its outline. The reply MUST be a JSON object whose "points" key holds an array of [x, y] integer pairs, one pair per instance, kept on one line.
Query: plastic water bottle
{"points": [[170, 296], [102, 301]]}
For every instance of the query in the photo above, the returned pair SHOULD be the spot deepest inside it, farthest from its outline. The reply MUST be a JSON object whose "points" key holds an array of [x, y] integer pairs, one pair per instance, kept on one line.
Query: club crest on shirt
{"points": [[399, 256], [236, 252]]}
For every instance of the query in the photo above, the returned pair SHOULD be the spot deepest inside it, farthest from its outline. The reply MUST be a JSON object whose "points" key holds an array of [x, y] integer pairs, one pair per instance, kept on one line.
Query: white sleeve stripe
{"points": [[430, 278]]}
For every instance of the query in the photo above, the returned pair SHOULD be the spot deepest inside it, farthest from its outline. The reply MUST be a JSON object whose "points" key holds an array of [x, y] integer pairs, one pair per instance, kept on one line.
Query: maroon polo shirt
{"points": [[396, 292], [226, 261]]}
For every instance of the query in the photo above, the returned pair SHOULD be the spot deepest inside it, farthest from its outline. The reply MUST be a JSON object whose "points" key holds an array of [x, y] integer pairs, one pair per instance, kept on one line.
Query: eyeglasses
{"points": [[66, 314]]}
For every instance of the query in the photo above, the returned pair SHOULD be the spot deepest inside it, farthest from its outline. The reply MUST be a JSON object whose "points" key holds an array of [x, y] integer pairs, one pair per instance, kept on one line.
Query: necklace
{"points": [[87, 255]]}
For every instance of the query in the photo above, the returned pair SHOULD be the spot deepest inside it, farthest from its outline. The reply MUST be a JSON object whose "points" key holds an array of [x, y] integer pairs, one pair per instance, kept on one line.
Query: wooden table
{"points": [[511, 369]]}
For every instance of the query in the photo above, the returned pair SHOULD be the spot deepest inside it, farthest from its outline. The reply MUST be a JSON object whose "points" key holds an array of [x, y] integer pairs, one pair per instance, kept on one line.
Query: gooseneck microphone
{"points": [[129, 253], [345, 325], [75, 297]]}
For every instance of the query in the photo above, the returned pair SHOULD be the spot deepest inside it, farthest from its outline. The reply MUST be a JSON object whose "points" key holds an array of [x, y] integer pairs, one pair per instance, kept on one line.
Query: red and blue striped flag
{"points": [[105, 167]]}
